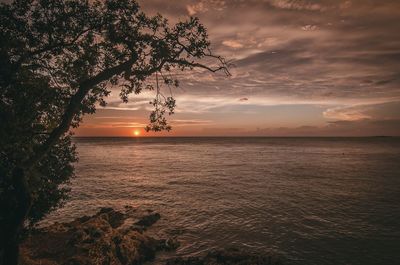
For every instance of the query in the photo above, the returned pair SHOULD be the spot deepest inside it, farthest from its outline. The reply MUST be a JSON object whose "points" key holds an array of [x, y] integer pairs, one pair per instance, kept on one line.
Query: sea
{"points": [[304, 200]]}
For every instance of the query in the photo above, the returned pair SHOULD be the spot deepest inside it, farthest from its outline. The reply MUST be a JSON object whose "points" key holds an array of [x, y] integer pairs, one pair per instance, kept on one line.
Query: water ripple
{"points": [[314, 201]]}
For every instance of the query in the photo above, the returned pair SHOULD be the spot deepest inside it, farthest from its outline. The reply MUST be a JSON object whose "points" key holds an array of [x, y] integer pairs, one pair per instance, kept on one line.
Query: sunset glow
{"points": [[136, 132], [292, 75]]}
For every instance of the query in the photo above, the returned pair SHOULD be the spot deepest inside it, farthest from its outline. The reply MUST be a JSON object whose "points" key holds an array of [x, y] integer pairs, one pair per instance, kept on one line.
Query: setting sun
{"points": [[136, 132]]}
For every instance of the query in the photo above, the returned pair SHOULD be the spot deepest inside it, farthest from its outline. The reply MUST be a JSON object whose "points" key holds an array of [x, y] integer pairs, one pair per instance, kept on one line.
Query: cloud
{"points": [[345, 5], [365, 127], [309, 27], [341, 55], [232, 44], [381, 111], [112, 117], [204, 5], [114, 124], [293, 49], [296, 5], [190, 122], [346, 113], [196, 8]]}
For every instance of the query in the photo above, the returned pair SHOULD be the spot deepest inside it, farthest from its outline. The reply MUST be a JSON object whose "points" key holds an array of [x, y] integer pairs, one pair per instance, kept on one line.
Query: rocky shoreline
{"points": [[116, 238]]}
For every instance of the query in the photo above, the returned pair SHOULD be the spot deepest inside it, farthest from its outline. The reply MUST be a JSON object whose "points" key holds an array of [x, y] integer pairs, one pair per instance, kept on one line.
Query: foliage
{"points": [[28, 109], [58, 60]]}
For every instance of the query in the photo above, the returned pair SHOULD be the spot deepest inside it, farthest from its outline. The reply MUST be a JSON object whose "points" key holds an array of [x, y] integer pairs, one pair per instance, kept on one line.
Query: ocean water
{"points": [[307, 200]]}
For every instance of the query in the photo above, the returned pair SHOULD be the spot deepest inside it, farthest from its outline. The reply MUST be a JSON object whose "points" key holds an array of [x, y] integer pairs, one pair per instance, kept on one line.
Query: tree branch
{"points": [[84, 87], [199, 65], [51, 47], [73, 108]]}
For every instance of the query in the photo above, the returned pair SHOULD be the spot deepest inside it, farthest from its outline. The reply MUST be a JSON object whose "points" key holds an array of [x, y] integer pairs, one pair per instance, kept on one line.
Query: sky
{"points": [[301, 68]]}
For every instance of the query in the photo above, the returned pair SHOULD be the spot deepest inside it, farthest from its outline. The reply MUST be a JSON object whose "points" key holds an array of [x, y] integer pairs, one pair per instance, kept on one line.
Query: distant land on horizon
{"points": [[236, 136]]}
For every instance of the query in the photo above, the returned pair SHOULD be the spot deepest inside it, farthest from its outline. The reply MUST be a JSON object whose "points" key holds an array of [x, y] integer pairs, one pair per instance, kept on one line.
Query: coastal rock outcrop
{"points": [[113, 237], [108, 237]]}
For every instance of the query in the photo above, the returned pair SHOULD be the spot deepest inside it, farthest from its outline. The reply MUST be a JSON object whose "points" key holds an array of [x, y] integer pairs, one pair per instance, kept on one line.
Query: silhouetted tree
{"points": [[57, 62]]}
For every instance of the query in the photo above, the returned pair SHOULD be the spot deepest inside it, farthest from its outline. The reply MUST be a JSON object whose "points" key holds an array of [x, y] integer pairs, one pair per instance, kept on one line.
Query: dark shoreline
{"points": [[118, 238]]}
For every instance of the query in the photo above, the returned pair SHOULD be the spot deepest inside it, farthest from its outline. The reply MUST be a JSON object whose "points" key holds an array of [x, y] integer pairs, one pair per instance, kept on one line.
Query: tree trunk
{"points": [[14, 223]]}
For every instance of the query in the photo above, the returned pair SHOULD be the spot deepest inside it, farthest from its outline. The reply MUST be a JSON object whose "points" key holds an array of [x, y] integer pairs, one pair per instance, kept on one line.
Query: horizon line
{"points": [[239, 136]]}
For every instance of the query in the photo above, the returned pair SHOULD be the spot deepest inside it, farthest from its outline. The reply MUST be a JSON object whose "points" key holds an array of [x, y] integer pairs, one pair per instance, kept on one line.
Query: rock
{"points": [[138, 228], [97, 239], [169, 244], [148, 220], [108, 238]]}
